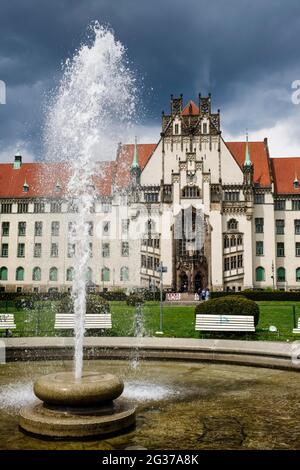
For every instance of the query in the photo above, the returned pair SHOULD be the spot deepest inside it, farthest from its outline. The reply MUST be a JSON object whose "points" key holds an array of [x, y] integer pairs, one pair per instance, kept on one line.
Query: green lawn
{"points": [[178, 321]]}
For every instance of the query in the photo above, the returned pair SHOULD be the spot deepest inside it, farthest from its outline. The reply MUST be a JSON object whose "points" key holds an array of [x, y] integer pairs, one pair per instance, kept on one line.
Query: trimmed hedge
{"points": [[229, 305], [94, 304], [260, 295]]}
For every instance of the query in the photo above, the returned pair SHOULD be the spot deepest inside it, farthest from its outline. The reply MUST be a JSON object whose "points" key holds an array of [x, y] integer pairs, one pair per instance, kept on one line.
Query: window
{"points": [[105, 274], [90, 228], [23, 207], [297, 226], [279, 204], [38, 229], [279, 226], [89, 275], [149, 262], [4, 250], [226, 242], [259, 248], [232, 241], [259, 199], [232, 196], [5, 229], [176, 129], [204, 128], [106, 228], [125, 226], [53, 274], [233, 262], [280, 249], [151, 197], [240, 240], [6, 208], [125, 249], [20, 274], [3, 273], [21, 250], [72, 207], [143, 261], [70, 274], [190, 192], [232, 224], [54, 250], [90, 250], [281, 275], [259, 225], [72, 229], [105, 250], [124, 273], [39, 207], [240, 261], [106, 207], [226, 264], [36, 274], [295, 204], [55, 229], [37, 250], [55, 207], [298, 274], [297, 249], [71, 250], [22, 229], [260, 274]]}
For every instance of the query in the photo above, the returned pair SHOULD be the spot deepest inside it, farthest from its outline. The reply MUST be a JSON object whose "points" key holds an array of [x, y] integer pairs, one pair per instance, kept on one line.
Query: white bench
{"points": [[297, 330], [65, 321], [7, 322], [224, 323]]}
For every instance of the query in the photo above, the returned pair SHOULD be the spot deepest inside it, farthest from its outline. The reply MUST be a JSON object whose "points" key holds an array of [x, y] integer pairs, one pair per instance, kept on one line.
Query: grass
{"points": [[178, 321]]}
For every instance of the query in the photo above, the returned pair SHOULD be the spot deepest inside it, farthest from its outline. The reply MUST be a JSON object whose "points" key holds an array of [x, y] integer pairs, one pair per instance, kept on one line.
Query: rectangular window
{"points": [[232, 196], [259, 225], [125, 226], [90, 250], [55, 207], [106, 228], [226, 264], [90, 228], [149, 262], [4, 250], [240, 261], [280, 227], [125, 249], [55, 229], [176, 129], [297, 250], [72, 207], [259, 198], [5, 229], [22, 229], [54, 250], [143, 261], [71, 250], [39, 207], [23, 207], [38, 229], [279, 204], [37, 250], [105, 250], [280, 249], [6, 208], [72, 229], [297, 226], [259, 248], [151, 197], [204, 128], [21, 250], [296, 204], [233, 262], [106, 207]]}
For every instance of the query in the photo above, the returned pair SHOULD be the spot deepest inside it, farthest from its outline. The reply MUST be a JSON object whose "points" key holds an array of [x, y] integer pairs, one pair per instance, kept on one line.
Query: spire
{"points": [[135, 162], [247, 156]]}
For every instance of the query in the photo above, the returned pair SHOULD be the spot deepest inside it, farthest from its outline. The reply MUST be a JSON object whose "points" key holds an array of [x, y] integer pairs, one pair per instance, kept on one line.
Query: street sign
{"points": [[162, 269]]}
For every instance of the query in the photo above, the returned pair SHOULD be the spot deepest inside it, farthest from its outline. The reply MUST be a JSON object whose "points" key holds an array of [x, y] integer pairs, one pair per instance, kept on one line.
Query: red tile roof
{"points": [[190, 109], [124, 161], [259, 157], [284, 172]]}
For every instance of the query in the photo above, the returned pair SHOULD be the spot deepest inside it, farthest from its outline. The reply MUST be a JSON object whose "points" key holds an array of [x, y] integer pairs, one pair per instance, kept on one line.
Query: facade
{"points": [[216, 214]]}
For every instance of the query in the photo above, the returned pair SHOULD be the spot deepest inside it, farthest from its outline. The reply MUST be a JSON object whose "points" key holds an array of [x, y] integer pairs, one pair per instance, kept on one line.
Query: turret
{"points": [[135, 170]]}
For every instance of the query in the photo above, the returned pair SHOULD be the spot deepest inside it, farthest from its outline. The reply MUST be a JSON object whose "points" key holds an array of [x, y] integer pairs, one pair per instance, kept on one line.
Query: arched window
{"points": [[298, 274], [240, 240], [232, 241], [281, 275], [89, 275], [36, 274], [124, 273], [70, 274], [3, 273], [190, 192], [232, 224], [260, 274], [20, 274], [105, 274], [53, 274]]}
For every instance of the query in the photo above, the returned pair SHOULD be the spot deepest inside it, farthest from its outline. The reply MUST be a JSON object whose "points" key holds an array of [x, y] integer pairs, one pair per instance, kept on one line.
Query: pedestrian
{"points": [[203, 294], [207, 293]]}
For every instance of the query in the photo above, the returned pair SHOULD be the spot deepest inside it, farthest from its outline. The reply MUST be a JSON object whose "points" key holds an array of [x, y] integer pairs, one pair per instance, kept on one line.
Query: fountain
{"points": [[94, 102]]}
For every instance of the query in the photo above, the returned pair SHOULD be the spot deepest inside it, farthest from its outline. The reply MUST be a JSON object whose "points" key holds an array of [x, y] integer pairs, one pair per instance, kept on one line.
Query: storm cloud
{"points": [[244, 52]]}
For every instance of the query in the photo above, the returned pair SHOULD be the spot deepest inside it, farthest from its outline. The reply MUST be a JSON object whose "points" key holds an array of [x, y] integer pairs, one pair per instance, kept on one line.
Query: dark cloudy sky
{"points": [[245, 52]]}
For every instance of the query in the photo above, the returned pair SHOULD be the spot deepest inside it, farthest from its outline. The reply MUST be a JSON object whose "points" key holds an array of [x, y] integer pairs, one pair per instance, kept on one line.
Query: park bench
{"points": [[65, 321], [224, 323], [7, 322], [297, 330]]}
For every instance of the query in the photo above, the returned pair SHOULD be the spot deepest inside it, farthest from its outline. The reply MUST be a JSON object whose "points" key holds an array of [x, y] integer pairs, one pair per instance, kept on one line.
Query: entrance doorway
{"points": [[198, 282], [184, 282]]}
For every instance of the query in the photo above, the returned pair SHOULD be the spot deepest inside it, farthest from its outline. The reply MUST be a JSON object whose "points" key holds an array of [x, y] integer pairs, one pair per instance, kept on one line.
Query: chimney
{"points": [[18, 161]]}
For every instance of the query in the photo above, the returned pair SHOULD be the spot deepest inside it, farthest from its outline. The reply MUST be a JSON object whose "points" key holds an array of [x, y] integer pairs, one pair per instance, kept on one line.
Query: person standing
{"points": [[203, 294], [207, 293]]}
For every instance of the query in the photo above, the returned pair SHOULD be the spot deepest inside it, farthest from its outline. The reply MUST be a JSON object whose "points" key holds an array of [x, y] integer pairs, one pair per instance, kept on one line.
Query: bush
{"points": [[135, 299], [229, 305], [262, 295], [24, 303], [117, 294], [94, 304]]}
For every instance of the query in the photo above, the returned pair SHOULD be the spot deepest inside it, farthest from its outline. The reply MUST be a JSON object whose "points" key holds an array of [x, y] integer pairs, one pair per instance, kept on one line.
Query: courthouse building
{"points": [[217, 214]]}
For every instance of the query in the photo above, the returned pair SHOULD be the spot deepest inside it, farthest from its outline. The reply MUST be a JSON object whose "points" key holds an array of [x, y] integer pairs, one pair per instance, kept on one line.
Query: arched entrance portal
{"points": [[184, 282], [198, 282]]}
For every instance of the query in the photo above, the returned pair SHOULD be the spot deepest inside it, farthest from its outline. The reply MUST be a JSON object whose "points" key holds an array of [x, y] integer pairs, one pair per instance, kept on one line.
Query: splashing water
{"points": [[87, 116]]}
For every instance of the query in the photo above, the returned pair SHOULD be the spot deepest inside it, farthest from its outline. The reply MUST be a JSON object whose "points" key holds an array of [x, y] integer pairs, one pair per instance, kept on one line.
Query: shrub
{"points": [[229, 305], [135, 299], [25, 303], [262, 295], [116, 294], [94, 304]]}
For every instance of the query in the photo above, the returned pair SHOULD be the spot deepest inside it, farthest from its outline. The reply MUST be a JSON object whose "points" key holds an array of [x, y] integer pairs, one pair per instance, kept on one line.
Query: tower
{"points": [[135, 170]]}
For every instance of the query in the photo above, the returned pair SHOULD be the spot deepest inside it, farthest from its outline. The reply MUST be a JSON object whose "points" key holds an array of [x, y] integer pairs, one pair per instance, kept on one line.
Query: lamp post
{"points": [[161, 269], [273, 278]]}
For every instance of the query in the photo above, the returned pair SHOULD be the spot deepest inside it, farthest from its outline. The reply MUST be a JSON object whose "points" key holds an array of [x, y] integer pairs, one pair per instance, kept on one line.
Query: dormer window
{"points": [[296, 183], [25, 187], [176, 129], [57, 188], [204, 128]]}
